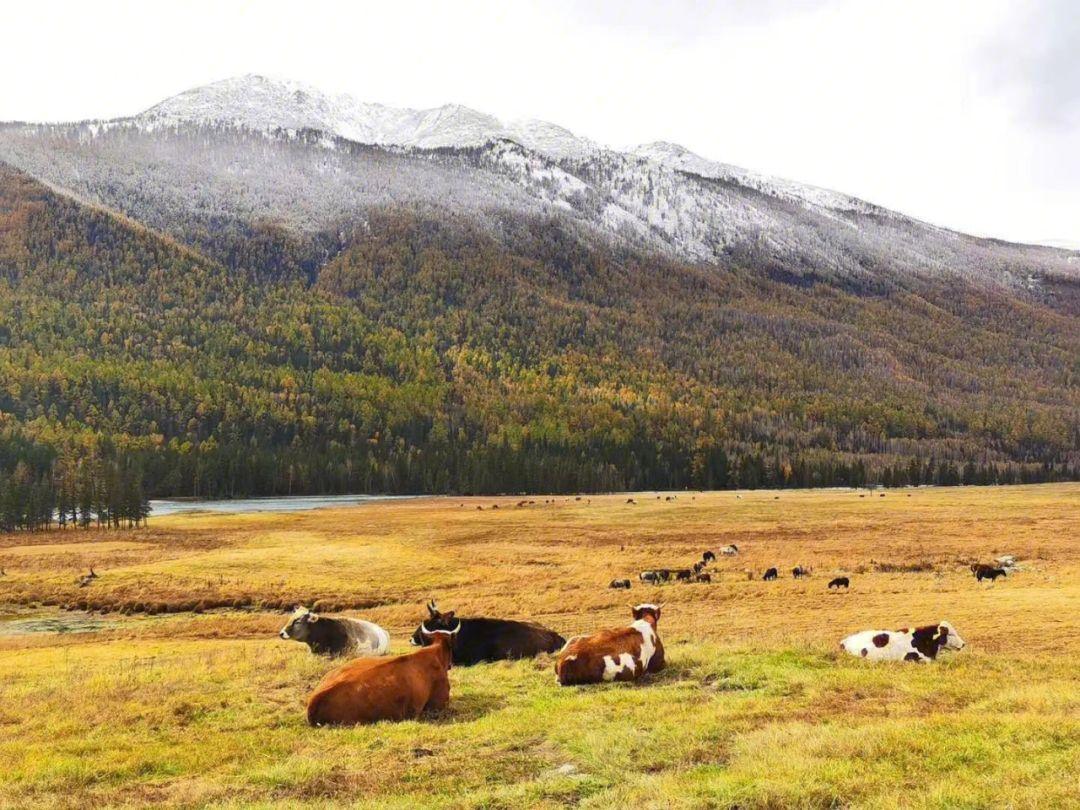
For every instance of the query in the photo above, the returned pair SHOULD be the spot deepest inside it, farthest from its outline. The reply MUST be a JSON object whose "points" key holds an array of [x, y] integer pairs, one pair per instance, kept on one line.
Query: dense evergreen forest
{"points": [[413, 355]]}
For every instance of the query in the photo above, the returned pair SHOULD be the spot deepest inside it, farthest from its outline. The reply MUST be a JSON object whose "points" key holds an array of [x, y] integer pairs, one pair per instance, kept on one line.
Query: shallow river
{"points": [[292, 503]]}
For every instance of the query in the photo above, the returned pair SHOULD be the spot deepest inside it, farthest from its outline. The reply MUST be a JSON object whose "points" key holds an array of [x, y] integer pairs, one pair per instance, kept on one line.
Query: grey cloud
{"points": [[1036, 61]]}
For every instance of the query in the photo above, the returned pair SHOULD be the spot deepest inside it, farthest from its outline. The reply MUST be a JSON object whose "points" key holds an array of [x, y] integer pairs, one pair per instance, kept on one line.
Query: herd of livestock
{"points": [[371, 688]]}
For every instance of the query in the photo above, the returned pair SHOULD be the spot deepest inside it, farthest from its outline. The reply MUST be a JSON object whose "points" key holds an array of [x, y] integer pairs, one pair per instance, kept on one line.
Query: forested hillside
{"points": [[426, 356]]}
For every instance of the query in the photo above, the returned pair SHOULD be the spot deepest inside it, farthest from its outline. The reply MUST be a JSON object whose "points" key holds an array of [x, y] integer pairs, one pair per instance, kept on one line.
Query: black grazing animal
{"points": [[986, 572], [620, 583], [650, 576], [665, 574], [770, 575], [699, 567], [684, 575], [483, 639], [840, 582], [708, 557], [703, 578], [798, 572], [631, 500]]}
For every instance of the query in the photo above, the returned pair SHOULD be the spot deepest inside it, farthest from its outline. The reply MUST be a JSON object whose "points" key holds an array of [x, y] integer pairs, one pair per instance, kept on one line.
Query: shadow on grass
{"points": [[467, 707]]}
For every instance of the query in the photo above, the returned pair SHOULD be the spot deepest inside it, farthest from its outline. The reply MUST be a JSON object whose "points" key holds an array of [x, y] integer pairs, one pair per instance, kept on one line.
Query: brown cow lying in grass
{"points": [[371, 689], [619, 654]]}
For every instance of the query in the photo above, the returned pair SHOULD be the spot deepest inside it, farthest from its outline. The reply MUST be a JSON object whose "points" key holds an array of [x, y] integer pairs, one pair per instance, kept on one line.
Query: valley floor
{"points": [[169, 697]]}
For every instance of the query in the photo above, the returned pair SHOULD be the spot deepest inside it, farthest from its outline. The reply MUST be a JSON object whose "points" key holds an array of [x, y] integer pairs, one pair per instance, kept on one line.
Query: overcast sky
{"points": [[965, 113]]}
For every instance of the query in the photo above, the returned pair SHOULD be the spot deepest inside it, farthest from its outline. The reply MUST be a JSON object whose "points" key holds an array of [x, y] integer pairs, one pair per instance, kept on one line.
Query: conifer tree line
{"points": [[39, 491]]}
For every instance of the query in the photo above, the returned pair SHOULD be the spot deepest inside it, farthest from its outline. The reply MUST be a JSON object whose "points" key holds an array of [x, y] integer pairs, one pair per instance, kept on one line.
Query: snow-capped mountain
{"points": [[255, 150], [262, 104]]}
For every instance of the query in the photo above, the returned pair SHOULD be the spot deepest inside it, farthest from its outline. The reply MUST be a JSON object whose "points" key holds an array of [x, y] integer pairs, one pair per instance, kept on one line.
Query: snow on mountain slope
{"points": [[262, 104], [681, 158], [255, 150]]}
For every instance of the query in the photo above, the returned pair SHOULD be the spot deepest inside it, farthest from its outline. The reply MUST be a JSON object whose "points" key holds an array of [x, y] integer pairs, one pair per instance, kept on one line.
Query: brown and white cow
{"points": [[910, 644], [368, 690], [618, 654]]}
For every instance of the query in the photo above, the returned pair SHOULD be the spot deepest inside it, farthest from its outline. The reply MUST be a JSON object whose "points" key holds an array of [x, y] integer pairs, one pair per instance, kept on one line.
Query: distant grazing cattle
{"points": [[665, 574], [840, 582], [367, 690], [631, 500], [650, 576], [798, 572], [770, 575], [1006, 561], [619, 654], [912, 644], [336, 635], [683, 575], [703, 577], [620, 583], [986, 572], [708, 557], [699, 567], [730, 550], [483, 639]]}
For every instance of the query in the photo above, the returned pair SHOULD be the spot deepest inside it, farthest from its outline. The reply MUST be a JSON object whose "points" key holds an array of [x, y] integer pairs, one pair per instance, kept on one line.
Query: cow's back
{"points": [[367, 690], [483, 639], [614, 654]]}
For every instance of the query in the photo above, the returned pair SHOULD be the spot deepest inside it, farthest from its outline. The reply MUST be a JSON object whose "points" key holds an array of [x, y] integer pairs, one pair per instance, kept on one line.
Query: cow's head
{"points": [[299, 625], [437, 622], [647, 612], [948, 638]]}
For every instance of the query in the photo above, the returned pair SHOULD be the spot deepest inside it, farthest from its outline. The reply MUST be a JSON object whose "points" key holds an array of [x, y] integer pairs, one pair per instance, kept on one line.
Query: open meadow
{"points": [[175, 688]]}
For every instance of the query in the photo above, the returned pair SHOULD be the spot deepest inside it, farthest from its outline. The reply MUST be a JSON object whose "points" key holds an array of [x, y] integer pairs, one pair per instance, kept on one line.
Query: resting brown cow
{"points": [[619, 654], [371, 689]]}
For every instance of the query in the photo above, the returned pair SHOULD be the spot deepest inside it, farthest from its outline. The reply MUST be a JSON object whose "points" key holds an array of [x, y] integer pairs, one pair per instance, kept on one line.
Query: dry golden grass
{"points": [[757, 708]]}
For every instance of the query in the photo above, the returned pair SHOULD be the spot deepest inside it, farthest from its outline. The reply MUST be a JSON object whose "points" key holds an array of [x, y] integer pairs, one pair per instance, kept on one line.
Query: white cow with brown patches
{"points": [[618, 654]]}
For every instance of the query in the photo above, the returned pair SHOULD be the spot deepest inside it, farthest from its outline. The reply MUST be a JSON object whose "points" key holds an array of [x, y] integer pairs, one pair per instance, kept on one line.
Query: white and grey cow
{"points": [[336, 635], [911, 644]]}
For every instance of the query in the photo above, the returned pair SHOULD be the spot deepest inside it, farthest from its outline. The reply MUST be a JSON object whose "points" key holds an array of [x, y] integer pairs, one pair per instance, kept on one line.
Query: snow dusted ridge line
{"points": [[254, 149], [262, 104], [258, 103]]}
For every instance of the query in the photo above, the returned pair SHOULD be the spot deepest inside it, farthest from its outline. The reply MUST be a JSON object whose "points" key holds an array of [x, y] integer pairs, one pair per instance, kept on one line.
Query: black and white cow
{"points": [[336, 635], [620, 583], [483, 639], [798, 572], [650, 576], [708, 557], [910, 644], [990, 573], [730, 550]]}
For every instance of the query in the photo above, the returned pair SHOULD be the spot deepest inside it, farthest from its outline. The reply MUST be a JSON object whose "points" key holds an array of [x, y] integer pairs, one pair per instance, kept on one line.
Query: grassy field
{"points": [[185, 697]]}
